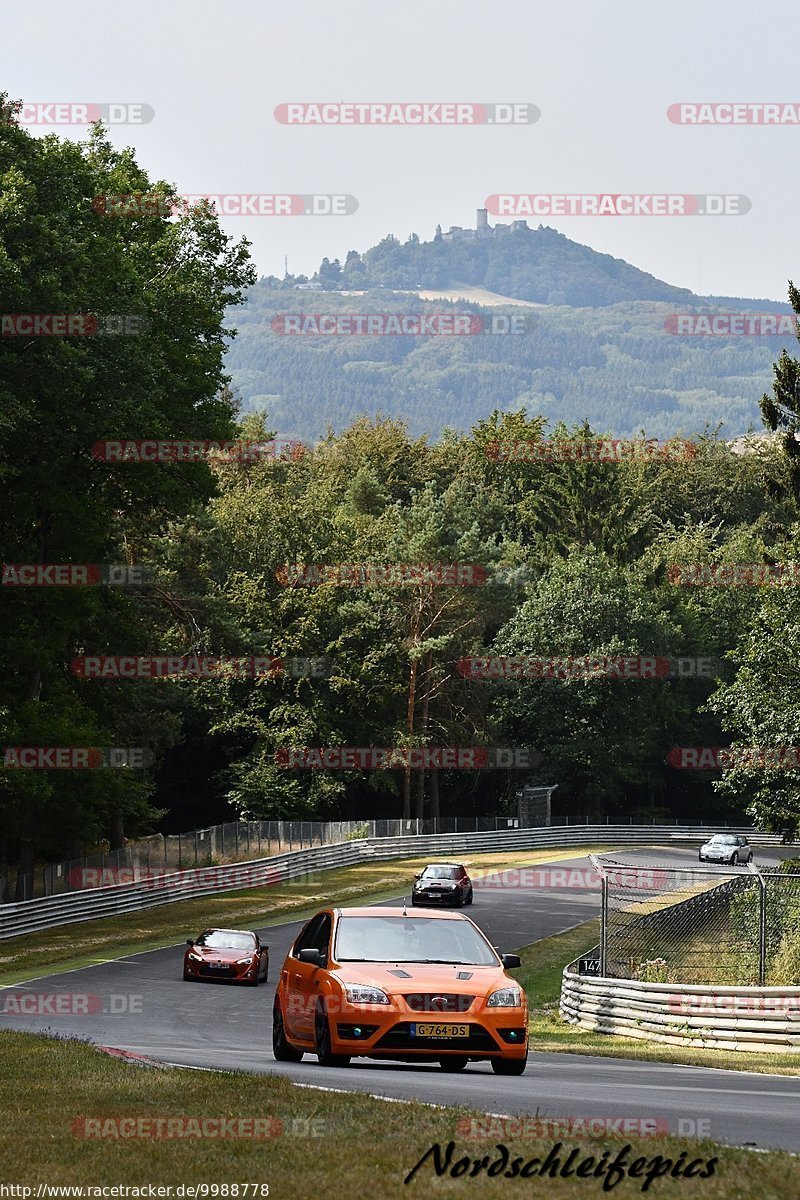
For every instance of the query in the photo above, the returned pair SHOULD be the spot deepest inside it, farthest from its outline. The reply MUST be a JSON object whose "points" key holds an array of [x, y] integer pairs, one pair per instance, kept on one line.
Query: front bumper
{"points": [[437, 897], [228, 972], [373, 1032]]}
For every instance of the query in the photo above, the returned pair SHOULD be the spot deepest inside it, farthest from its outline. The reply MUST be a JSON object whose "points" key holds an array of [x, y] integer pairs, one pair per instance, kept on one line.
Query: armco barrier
{"points": [[28, 916], [716, 1017]]}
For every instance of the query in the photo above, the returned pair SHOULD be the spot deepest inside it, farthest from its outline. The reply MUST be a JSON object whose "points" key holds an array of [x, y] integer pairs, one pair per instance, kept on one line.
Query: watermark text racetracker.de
{"points": [[787, 1006], [74, 575], [448, 112], [588, 1126], [72, 324], [23, 1003], [76, 758], [616, 204], [199, 666], [81, 112], [528, 666], [732, 324], [729, 758], [226, 204], [734, 574], [737, 112], [383, 758], [163, 450], [381, 574], [216, 1128], [398, 324], [647, 879], [238, 877], [605, 450]]}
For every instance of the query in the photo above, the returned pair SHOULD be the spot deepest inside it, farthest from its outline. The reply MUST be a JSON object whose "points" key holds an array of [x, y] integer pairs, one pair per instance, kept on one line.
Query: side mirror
{"points": [[418, 875], [510, 960], [312, 956], [190, 941]]}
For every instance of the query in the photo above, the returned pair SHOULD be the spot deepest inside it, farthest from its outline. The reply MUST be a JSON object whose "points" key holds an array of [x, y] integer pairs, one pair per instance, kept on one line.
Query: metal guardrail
{"points": [[240, 841], [29, 916], [716, 1017]]}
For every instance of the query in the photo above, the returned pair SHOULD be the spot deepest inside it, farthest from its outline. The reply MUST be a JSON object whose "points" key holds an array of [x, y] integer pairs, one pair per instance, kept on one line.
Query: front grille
{"points": [[444, 1002], [399, 1038]]}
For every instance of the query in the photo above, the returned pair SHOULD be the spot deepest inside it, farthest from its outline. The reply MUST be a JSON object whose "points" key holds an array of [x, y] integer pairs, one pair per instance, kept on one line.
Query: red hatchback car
{"points": [[235, 955]]}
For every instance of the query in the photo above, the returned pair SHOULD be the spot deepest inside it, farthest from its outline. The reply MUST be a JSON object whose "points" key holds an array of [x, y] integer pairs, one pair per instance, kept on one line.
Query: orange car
{"points": [[383, 983]]}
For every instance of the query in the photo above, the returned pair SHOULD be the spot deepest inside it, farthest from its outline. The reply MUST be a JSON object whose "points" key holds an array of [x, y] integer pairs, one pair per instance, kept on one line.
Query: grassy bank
{"points": [[54, 1093]]}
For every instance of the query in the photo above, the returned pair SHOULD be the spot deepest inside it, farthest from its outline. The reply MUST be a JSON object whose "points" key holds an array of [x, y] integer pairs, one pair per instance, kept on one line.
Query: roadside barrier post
{"points": [[762, 924], [598, 866]]}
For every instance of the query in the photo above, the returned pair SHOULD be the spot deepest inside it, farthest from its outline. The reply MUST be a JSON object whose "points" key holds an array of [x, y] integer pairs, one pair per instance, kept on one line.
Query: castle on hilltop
{"points": [[482, 229]]}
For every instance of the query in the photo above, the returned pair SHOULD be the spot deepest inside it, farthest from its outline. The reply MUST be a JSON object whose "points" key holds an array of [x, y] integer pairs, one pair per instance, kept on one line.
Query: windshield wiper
{"points": [[449, 962]]}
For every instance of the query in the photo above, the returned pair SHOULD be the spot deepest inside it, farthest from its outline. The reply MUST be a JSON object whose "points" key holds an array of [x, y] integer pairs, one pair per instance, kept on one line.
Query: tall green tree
{"points": [[58, 396]]}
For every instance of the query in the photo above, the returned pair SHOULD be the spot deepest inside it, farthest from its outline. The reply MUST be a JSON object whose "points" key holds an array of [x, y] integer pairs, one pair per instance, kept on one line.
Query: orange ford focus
{"points": [[382, 983]]}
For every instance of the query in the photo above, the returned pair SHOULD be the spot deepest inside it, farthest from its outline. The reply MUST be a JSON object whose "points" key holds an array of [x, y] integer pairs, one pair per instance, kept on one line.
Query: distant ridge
{"points": [[604, 344], [540, 266]]}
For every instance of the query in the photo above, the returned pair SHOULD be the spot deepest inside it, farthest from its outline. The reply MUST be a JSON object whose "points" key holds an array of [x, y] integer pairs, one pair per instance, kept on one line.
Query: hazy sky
{"points": [[602, 74]]}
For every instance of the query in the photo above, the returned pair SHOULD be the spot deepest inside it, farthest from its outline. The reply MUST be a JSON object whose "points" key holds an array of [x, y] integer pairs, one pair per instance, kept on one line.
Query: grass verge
{"points": [[540, 975], [345, 1145], [79, 945]]}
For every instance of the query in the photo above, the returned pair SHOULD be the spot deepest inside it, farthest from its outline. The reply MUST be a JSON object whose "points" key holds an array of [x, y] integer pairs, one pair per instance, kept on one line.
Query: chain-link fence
{"points": [[238, 841], [727, 925], [235, 841]]}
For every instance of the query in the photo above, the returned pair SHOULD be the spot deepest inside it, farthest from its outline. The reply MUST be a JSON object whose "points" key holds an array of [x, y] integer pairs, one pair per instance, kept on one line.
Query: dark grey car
{"points": [[726, 848], [442, 883]]}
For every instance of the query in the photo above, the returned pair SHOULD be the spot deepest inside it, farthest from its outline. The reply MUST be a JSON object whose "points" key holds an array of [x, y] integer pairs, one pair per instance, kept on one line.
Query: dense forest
{"points": [[576, 559]]}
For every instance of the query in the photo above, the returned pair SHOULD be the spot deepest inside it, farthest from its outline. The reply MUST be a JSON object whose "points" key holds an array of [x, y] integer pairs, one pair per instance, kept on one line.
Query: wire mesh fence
{"points": [[238, 841], [727, 925], [234, 841]]}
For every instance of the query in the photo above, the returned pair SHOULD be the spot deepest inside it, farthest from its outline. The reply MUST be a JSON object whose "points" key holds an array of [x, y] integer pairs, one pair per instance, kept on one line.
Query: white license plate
{"points": [[440, 1031]]}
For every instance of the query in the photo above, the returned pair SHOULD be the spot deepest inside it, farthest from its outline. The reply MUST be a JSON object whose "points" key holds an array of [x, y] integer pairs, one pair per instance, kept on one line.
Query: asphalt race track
{"points": [[144, 1007]]}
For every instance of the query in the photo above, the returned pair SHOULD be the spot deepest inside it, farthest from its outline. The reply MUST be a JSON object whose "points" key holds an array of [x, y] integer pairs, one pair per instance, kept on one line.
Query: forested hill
{"points": [[540, 265], [597, 346]]}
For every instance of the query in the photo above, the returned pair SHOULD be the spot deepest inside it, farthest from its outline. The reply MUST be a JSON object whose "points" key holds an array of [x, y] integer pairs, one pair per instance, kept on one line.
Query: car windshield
{"points": [[440, 873], [219, 940], [411, 939], [721, 839]]}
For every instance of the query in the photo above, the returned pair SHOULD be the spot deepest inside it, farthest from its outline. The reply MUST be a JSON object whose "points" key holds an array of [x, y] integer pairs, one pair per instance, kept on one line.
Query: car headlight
{"points": [[505, 998], [195, 957], [241, 962], [361, 993]]}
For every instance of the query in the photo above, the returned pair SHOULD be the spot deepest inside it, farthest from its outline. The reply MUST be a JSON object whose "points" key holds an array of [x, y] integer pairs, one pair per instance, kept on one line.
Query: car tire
{"points": [[700, 858], [469, 897], [509, 1066], [735, 859], [188, 977], [750, 856], [451, 1065], [459, 900], [322, 1043], [282, 1051]]}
